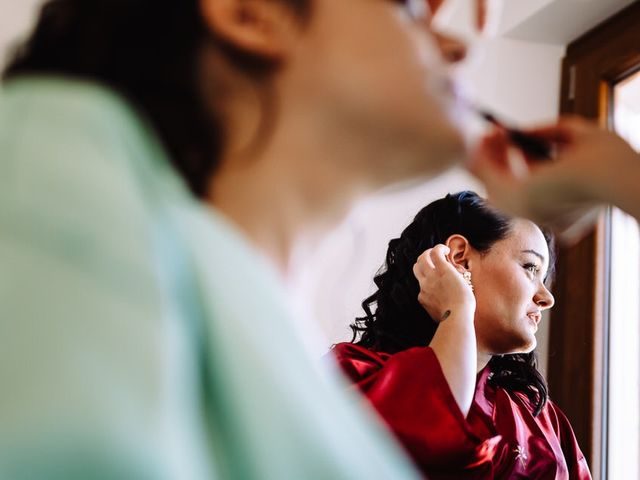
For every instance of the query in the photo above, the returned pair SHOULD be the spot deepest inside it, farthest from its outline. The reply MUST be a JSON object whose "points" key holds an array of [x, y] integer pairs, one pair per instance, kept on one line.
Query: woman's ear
{"points": [[459, 248], [258, 27]]}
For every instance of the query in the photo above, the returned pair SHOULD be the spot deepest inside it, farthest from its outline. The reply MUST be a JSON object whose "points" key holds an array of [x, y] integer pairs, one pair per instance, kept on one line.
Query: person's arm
{"points": [[621, 186], [592, 166], [81, 335], [448, 299], [425, 393], [411, 394]]}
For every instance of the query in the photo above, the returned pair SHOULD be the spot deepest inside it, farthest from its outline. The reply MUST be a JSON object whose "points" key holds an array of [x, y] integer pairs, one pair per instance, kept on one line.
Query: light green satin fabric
{"points": [[141, 337]]}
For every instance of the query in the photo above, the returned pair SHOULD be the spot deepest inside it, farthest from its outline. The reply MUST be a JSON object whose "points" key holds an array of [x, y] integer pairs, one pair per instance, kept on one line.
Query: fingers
{"points": [[433, 260], [424, 263], [565, 131], [490, 160], [577, 123], [439, 258], [442, 287], [495, 148]]}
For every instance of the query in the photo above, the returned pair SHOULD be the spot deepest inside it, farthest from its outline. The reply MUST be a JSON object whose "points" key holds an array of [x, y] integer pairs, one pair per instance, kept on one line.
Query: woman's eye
{"points": [[416, 9], [531, 268]]}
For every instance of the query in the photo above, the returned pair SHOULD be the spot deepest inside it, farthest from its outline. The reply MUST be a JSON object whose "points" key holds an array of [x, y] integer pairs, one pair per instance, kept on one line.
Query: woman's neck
{"points": [[483, 360], [283, 198], [274, 216], [291, 170]]}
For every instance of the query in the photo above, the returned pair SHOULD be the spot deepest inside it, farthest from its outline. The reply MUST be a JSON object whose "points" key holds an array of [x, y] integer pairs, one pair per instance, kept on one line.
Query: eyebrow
{"points": [[540, 256]]}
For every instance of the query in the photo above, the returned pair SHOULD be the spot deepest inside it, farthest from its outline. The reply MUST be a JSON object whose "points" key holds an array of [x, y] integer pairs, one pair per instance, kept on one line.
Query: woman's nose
{"points": [[544, 298], [453, 50]]}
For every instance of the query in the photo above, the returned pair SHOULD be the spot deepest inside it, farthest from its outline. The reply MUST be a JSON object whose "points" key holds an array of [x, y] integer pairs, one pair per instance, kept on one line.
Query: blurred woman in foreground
{"points": [[145, 335]]}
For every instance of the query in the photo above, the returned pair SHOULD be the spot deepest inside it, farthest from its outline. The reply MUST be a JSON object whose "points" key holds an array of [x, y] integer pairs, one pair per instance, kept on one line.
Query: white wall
{"points": [[16, 17]]}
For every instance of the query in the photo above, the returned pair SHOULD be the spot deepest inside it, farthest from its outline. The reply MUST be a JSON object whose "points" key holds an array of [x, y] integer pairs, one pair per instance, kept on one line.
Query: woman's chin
{"points": [[529, 345], [526, 344]]}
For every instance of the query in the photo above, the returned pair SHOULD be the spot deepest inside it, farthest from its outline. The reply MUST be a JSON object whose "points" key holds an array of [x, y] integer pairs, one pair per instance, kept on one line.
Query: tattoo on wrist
{"points": [[445, 315]]}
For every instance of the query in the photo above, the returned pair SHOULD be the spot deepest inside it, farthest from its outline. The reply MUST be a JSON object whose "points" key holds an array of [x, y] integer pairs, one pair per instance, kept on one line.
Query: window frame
{"points": [[578, 340]]}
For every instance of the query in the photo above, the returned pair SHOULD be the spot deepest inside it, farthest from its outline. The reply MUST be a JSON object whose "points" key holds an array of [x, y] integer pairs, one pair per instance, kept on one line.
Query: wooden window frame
{"points": [[578, 342]]}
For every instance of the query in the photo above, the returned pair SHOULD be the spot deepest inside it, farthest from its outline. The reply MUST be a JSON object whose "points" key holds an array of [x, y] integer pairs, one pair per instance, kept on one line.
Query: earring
{"points": [[467, 278]]}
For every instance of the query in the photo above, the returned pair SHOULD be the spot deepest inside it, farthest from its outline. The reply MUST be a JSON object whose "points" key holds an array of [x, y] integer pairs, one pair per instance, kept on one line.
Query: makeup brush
{"points": [[535, 147]]}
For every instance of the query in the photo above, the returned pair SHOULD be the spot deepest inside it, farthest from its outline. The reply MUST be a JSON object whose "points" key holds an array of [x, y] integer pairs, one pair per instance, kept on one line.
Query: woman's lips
{"points": [[535, 318]]}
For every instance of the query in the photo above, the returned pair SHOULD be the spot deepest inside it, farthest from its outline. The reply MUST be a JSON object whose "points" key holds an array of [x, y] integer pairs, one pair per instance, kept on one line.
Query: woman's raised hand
{"points": [[443, 290], [446, 295]]}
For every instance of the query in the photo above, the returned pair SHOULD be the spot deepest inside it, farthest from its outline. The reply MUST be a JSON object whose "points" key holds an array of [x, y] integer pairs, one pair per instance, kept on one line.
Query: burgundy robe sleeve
{"points": [[576, 463], [411, 394]]}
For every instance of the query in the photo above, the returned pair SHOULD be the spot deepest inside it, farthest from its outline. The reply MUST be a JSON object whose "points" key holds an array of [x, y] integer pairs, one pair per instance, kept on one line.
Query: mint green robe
{"points": [[141, 337]]}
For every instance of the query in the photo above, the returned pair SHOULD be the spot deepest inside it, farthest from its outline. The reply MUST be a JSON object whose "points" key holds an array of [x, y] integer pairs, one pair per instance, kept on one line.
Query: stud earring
{"points": [[467, 278]]}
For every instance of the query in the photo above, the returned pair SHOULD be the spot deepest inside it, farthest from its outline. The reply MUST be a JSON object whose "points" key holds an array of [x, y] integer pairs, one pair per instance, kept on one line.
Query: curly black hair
{"points": [[394, 320]]}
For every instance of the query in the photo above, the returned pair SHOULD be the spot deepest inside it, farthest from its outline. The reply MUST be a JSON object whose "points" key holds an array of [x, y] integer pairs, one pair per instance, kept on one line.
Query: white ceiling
{"points": [[555, 22]]}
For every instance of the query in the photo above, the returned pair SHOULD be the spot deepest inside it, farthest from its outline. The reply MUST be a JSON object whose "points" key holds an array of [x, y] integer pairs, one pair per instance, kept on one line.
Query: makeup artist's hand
{"points": [[591, 166]]}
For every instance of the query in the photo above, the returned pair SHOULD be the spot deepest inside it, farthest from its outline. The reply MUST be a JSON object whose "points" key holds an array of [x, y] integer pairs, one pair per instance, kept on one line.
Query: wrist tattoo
{"points": [[445, 315]]}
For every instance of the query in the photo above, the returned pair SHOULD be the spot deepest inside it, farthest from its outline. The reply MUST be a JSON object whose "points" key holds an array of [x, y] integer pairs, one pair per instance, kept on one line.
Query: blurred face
{"points": [[374, 71], [509, 289]]}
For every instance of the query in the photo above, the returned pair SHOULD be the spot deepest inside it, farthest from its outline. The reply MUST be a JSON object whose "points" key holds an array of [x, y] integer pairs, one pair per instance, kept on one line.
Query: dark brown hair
{"points": [[146, 50]]}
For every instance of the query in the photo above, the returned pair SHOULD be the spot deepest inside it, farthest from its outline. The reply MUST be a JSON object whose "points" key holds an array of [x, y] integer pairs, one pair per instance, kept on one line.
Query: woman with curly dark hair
{"points": [[445, 351]]}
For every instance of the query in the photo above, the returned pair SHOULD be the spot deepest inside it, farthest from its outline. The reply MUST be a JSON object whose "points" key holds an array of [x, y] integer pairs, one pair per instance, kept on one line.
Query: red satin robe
{"points": [[500, 438]]}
